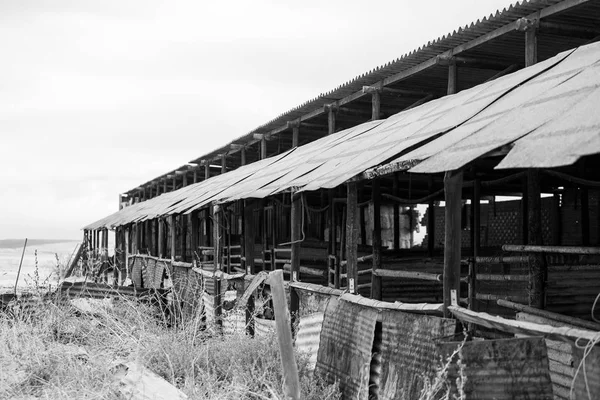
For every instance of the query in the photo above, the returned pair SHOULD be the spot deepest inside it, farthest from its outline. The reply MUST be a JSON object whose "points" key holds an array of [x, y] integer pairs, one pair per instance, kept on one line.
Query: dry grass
{"points": [[57, 352]]}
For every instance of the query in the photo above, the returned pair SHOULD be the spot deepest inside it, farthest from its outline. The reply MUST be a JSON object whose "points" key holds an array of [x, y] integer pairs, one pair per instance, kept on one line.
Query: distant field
{"points": [[13, 243]]}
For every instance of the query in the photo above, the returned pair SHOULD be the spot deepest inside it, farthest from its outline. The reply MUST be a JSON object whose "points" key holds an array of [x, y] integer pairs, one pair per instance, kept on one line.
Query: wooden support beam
{"points": [[249, 236], [476, 230], [431, 221], [185, 179], [531, 56], [537, 269], [165, 186], [195, 176], [243, 156], [161, 238], [376, 287], [452, 242], [352, 227], [206, 169], [452, 78], [263, 148], [223, 163], [217, 233], [172, 226], [396, 215], [195, 242], [295, 135], [331, 111], [331, 248], [376, 105], [155, 237], [183, 222], [296, 237]]}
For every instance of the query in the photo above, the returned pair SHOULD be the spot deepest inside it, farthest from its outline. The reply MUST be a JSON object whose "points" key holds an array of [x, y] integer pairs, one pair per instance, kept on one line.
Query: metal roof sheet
{"points": [[540, 102], [403, 64], [548, 109]]}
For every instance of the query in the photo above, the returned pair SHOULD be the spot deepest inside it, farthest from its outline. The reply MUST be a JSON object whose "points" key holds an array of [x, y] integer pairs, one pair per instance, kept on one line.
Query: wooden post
{"points": [[183, 239], [216, 214], [476, 229], [284, 335], [331, 121], [195, 233], [126, 251], [263, 148], [452, 77], [396, 192], [452, 243], [206, 169], [161, 237], [195, 176], [295, 134], [352, 236], [223, 163], [165, 186], [249, 236], [172, 227], [376, 284], [148, 224], [376, 105], [185, 182], [174, 183], [537, 270], [243, 156], [431, 222], [331, 250], [296, 237]]}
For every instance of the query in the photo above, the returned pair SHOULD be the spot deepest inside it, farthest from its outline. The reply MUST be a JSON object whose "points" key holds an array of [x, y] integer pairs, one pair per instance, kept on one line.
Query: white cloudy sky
{"points": [[98, 96]]}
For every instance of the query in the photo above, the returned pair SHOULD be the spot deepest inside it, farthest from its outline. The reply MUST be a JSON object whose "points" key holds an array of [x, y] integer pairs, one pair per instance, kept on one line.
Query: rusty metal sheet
{"points": [[309, 336], [408, 352], [537, 103], [500, 369], [264, 327], [345, 350]]}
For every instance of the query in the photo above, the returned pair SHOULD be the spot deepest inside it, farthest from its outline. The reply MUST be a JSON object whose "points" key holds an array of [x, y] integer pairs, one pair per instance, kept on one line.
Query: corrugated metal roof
{"points": [[551, 101], [540, 103], [387, 72]]}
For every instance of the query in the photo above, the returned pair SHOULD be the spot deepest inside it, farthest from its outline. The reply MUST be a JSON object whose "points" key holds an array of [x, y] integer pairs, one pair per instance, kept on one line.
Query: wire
{"points": [[587, 349]]}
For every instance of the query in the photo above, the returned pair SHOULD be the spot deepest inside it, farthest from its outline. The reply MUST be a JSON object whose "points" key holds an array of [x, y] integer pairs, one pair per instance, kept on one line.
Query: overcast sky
{"points": [[97, 97]]}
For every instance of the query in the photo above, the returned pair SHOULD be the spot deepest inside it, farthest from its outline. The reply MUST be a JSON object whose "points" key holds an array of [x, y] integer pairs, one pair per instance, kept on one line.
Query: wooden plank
{"points": [[522, 327], [452, 243], [551, 249], [352, 227], [263, 148], [195, 222], [283, 322], [376, 284], [391, 273], [560, 318]]}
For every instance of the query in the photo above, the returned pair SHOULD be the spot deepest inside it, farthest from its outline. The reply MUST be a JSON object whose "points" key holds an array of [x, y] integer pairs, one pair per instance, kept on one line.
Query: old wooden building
{"points": [[505, 108]]}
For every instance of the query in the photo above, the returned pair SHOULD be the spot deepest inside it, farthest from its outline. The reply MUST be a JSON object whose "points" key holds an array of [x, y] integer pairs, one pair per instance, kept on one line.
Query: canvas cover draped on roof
{"points": [[548, 112]]}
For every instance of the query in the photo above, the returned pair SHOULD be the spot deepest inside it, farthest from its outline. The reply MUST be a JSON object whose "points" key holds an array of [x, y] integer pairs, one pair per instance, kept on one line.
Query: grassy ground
{"points": [[56, 352]]}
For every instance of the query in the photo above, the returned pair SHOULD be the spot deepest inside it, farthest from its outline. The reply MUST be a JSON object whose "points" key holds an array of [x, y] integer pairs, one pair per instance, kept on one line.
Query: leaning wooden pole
{"points": [[452, 243], [291, 382]]}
